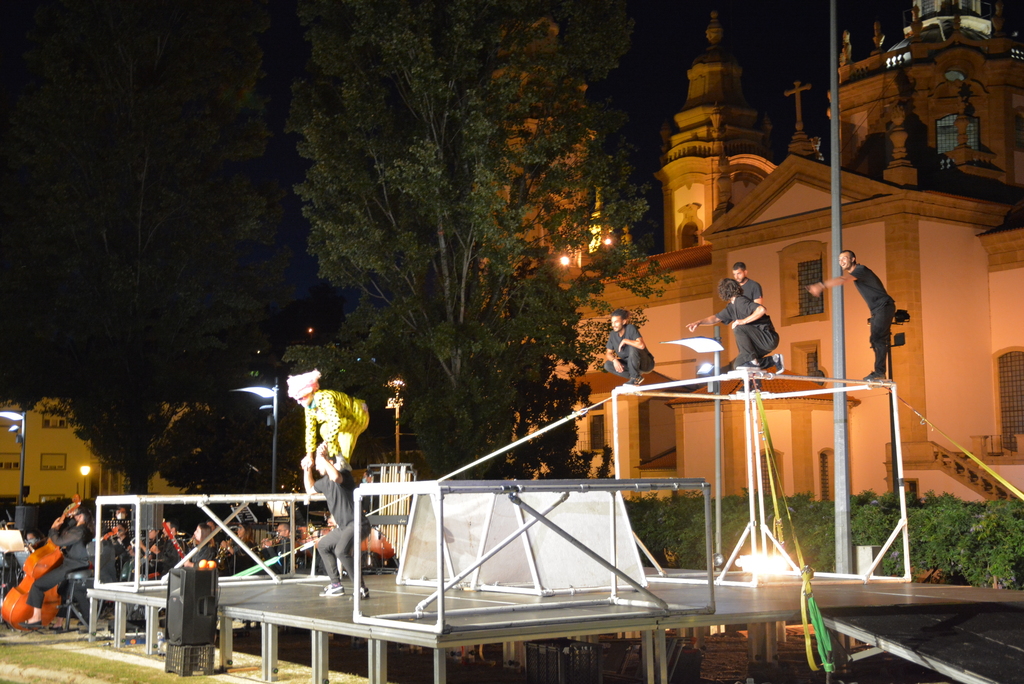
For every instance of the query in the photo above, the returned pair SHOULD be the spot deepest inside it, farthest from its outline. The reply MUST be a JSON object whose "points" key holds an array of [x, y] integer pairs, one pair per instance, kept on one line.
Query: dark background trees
{"points": [[132, 287], [455, 156]]}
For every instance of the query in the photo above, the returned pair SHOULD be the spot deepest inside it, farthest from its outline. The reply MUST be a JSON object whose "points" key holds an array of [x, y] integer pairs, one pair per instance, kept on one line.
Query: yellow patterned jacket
{"points": [[337, 415]]}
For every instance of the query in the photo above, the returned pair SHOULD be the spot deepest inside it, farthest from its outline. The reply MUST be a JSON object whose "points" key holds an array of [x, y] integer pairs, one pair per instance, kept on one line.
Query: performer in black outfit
{"points": [[626, 353], [72, 533], [755, 334], [881, 305], [337, 487]]}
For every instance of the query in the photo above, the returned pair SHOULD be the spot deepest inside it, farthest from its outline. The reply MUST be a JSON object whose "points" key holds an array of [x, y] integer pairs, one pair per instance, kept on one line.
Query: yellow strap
{"points": [[984, 467]]}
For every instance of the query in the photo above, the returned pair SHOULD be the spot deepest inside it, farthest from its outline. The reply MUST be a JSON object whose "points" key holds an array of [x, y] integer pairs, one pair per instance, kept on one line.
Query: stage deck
{"points": [[925, 623]]}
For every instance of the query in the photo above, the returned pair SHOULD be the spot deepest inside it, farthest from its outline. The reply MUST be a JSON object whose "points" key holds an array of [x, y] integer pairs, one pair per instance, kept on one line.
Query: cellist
{"points": [[72, 532]]}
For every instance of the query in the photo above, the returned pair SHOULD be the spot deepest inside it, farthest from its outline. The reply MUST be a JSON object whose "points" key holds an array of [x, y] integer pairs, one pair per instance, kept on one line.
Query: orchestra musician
{"points": [[208, 551], [278, 545], [165, 548], [114, 552], [232, 558], [72, 532]]}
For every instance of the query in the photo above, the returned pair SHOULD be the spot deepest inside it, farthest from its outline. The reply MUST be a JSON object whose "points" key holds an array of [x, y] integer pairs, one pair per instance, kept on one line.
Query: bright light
{"points": [[264, 392], [85, 470], [607, 241], [565, 261], [309, 330], [705, 368], [699, 344], [397, 384], [762, 565], [10, 415], [14, 428]]}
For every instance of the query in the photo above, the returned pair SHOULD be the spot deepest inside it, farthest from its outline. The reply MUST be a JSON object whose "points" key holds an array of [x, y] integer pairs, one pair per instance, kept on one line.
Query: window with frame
{"points": [[53, 422], [1011, 396], [801, 264], [1018, 130], [53, 461], [597, 432], [946, 133], [10, 461]]}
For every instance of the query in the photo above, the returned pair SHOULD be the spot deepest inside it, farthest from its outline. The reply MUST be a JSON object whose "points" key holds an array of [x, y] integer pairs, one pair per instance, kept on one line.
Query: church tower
{"points": [[714, 154], [942, 108]]}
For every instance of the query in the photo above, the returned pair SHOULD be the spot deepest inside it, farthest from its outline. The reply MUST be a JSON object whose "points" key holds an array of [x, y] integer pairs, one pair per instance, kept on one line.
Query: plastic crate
{"points": [[563, 661], [186, 661]]}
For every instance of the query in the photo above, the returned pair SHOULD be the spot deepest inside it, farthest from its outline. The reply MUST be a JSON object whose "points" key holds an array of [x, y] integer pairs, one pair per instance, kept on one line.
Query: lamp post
{"points": [[395, 403], [19, 427], [267, 393], [703, 345], [85, 470]]}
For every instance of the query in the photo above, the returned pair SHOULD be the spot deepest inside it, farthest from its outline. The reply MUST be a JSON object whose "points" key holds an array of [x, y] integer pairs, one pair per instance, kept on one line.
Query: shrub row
{"points": [[951, 541]]}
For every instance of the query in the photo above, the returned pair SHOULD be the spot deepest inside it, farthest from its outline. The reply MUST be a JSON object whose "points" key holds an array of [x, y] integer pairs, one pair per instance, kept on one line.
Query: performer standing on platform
{"points": [[751, 288], [626, 353], [337, 485], [881, 305], [755, 335], [72, 533], [339, 417]]}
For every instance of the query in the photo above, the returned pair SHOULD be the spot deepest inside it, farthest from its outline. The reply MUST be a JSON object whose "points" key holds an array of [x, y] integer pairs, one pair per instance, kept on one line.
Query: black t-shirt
{"points": [[73, 541], [752, 290], [339, 497], [741, 307], [629, 332], [870, 287]]}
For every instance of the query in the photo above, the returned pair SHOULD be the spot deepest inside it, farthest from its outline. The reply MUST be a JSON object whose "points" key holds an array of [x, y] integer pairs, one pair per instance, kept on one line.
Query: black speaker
{"points": [[191, 607], [151, 516], [26, 518]]}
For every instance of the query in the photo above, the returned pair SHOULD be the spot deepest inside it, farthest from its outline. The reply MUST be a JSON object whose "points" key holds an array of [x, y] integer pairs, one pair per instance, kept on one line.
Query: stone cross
{"points": [[796, 90]]}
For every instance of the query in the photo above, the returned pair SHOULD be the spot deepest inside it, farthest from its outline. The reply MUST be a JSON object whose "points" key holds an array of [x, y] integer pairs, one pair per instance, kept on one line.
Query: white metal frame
{"points": [[238, 502], [438, 620], [757, 521]]}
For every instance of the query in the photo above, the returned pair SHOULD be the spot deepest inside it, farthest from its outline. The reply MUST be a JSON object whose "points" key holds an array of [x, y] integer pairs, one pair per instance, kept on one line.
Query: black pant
{"points": [[338, 544], [755, 342], [881, 326], [635, 362]]}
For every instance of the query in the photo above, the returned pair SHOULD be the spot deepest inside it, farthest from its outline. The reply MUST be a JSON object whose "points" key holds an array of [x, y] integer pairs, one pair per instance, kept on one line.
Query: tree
{"points": [[130, 283], [455, 157]]}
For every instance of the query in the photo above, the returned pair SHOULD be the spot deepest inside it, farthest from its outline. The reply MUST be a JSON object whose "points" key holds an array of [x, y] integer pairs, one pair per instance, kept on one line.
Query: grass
{"points": [[39, 660]]}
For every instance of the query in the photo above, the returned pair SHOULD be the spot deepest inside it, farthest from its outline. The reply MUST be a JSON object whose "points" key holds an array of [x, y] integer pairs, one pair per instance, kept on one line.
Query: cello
{"points": [[15, 608]]}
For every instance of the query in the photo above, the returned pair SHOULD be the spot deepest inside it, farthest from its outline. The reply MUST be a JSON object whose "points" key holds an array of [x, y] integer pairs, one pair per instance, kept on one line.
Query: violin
{"points": [[15, 608]]}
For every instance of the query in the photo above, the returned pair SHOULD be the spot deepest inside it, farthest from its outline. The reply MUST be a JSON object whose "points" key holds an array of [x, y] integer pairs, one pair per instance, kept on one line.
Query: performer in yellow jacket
{"points": [[339, 417]]}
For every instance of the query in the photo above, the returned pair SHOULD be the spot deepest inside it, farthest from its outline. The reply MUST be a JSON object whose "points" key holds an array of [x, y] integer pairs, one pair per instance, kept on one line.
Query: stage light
{"points": [[762, 565]]}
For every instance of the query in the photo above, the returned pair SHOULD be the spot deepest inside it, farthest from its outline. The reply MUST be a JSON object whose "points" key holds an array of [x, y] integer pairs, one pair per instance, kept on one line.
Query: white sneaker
{"points": [[335, 589], [778, 361]]}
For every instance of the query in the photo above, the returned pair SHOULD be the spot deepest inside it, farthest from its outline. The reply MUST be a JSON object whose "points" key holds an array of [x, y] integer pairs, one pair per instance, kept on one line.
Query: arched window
{"points": [[1011, 396]]}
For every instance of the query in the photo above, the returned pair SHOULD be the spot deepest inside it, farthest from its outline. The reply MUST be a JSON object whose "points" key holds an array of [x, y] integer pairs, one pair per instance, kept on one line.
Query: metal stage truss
{"points": [[757, 532]]}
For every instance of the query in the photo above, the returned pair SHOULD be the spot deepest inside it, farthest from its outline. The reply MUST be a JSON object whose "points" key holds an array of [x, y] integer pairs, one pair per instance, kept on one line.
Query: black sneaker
{"points": [[874, 377], [364, 593], [778, 361]]}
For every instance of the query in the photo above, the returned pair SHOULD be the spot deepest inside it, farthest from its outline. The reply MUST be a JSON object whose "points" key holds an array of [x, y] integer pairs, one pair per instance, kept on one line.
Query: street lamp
{"points": [[704, 345], [85, 470], [267, 393], [395, 403], [19, 427]]}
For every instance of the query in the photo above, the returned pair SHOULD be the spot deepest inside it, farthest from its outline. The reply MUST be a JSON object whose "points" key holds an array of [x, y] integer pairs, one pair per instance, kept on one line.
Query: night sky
{"points": [[776, 42]]}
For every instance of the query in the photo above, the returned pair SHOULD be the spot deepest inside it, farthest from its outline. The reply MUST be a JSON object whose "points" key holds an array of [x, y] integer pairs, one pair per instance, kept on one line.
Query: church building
{"points": [[932, 139]]}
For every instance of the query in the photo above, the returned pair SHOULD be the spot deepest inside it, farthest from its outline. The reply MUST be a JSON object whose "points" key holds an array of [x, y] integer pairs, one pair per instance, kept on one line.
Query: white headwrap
{"points": [[301, 385]]}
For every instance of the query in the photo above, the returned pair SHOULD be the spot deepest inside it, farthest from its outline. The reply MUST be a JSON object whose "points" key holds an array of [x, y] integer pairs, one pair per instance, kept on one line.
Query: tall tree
{"points": [[456, 157], [131, 289]]}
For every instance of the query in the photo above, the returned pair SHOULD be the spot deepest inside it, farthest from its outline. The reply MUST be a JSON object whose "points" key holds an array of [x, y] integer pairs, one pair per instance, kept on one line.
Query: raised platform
{"points": [[929, 616]]}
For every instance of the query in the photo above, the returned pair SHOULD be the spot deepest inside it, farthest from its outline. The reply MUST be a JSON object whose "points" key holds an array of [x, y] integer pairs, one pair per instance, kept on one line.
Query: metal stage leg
{"points": [[120, 623], [762, 643], [647, 649], [321, 668], [227, 642], [661, 656], [94, 608], [377, 652], [152, 627], [440, 666], [268, 648]]}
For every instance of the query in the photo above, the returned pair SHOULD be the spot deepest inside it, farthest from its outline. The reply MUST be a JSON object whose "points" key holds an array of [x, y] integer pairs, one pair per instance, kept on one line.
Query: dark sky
{"points": [[777, 42]]}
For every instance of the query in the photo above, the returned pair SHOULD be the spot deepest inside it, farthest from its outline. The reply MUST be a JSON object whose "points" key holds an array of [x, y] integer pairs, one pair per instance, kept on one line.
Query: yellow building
{"points": [[933, 154]]}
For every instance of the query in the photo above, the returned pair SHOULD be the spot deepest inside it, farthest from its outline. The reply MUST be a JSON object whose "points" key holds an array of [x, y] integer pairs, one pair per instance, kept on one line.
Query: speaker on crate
{"points": [[191, 606], [151, 516]]}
